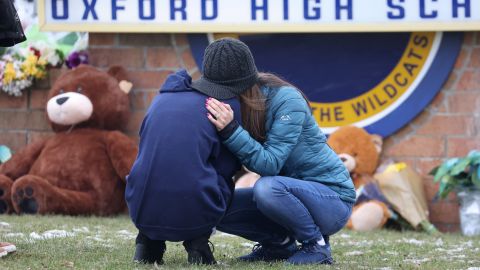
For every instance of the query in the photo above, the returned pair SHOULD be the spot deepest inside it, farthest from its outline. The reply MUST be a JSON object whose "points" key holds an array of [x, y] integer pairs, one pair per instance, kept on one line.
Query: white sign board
{"points": [[259, 15]]}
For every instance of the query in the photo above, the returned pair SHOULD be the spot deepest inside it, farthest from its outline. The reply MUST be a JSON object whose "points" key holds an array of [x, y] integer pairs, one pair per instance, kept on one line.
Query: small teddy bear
{"points": [[360, 153]]}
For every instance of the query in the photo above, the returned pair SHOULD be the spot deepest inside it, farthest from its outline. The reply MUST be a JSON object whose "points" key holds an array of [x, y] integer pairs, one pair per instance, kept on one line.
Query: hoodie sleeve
{"points": [[289, 114]]}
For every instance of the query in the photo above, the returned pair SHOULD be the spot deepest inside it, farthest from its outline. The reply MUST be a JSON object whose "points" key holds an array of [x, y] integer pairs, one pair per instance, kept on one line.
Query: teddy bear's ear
{"points": [[120, 73], [377, 141]]}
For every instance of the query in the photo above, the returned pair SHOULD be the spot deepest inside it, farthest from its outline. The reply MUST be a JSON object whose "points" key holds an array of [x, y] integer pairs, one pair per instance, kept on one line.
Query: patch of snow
{"points": [[391, 252], [343, 235], [222, 234], [126, 234], [354, 253], [363, 243], [96, 238], [51, 234], [439, 242], [383, 268], [249, 245], [412, 241], [12, 235], [4, 224], [82, 229], [417, 260], [473, 268]]}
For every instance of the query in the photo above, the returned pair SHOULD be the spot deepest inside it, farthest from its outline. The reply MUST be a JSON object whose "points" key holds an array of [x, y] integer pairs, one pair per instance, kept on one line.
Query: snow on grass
{"points": [[412, 241], [248, 245], [4, 224], [81, 230], [354, 253], [126, 235], [13, 235], [222, 234], [51, 234]]}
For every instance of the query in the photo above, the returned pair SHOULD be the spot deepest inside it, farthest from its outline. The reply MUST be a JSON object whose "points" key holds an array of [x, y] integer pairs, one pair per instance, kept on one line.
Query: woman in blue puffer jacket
{"points": [[305, 193]]}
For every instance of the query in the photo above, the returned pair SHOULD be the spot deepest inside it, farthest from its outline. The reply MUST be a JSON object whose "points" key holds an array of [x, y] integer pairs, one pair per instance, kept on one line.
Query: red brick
{"points": [[470, 80], [150, 96], [127, 57], [101, 39], [464, 102], [444, 212], [468, 38], [424, 166], [162, 57], [140, 100], [462, 58], [181, 40], [42, 84], [431, 190], [38, 99], [24, 120], [475, 58], [188, 60], [404, 132], [421, 118], [439, 102], [451, 82], [11, 102], [34, 136], [15, 140], [135, 121], [418, 146], [441, 125], [148, 79], [458, 147], [55, 73], [448, 228], [145, 40]]}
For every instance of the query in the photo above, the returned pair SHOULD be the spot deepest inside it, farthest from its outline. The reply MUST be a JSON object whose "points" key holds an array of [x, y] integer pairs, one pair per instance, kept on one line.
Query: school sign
{"points": [[259, 15], [384, 69]]}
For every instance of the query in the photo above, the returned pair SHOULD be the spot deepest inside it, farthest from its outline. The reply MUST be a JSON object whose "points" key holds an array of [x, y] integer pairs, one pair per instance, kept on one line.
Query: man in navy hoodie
{"points": [[180, 185], [181, 182]]}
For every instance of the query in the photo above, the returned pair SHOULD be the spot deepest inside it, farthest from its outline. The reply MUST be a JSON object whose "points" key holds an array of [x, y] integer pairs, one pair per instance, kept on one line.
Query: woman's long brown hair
{"points": [[253, 104]]}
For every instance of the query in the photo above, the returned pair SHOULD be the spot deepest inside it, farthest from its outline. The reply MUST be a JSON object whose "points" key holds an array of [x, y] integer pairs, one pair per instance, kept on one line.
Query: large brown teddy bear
{"points": [[360, 153], [82, 168]]}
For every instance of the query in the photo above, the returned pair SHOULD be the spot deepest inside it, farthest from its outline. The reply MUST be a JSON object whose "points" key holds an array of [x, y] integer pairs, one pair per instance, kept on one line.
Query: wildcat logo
{"points": [[379, 81]]}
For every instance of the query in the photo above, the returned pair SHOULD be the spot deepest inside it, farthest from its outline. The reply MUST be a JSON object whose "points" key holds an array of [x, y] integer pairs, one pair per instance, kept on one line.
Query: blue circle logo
{"points": [[378, 81]]}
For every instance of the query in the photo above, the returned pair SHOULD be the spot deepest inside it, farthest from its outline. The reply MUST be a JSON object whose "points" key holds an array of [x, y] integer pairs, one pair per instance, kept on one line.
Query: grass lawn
{"points": [[56, 242]]}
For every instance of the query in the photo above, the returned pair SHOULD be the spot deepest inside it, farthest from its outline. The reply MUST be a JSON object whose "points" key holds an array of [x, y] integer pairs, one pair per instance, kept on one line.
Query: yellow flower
{"points": [[9, 73], [42, 62], [29, 66]]}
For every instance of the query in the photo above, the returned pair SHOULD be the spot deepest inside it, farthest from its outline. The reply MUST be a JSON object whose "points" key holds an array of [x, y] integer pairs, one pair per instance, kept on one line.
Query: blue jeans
{"points": [[279, 206]]}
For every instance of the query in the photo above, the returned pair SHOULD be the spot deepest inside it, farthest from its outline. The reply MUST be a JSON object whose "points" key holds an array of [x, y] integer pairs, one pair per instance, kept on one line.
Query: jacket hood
{"points": [[179, 81]]}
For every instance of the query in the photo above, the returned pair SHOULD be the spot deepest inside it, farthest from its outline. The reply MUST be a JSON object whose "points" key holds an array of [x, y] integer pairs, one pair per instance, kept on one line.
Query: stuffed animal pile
{"points": [[81, 169]]}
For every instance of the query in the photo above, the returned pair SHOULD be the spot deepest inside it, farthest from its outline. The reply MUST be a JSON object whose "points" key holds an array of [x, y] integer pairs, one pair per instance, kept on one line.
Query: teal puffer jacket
{"points": [[295, 146]]}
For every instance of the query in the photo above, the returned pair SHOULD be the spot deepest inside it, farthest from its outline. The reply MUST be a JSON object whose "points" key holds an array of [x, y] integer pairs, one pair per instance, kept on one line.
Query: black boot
{"points": [[148, 251], [199, 251]]}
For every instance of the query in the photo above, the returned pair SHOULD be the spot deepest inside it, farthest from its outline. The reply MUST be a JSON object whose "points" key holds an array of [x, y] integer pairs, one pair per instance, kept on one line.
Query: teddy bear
{"points": [[81, 169], [360, 154]]}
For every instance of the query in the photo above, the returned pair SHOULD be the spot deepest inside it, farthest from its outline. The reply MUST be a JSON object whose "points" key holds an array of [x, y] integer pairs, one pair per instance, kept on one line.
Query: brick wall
{"points": [[450, 126]]}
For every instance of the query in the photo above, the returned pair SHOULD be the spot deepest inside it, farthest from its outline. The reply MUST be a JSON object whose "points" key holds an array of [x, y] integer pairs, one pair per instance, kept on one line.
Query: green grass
{"points": [[108, 243]]}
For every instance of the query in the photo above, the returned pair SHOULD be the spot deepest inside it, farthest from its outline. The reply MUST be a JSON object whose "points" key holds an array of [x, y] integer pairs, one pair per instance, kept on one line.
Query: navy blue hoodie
{"points": [[181, 182]]}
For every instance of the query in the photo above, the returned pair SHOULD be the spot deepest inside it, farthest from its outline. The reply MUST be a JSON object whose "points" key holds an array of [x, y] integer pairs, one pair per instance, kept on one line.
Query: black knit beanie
{"points": [[228, 69]]}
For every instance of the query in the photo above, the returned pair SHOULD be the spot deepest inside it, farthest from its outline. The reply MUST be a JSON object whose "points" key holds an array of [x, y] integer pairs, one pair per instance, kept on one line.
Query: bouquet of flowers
{"points": [[24, 63]]}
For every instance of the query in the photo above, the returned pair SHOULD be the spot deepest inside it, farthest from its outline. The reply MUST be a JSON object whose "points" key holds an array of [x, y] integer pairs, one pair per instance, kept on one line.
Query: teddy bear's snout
{"points": [[349, 161], [79, 108], [61, 100]]}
